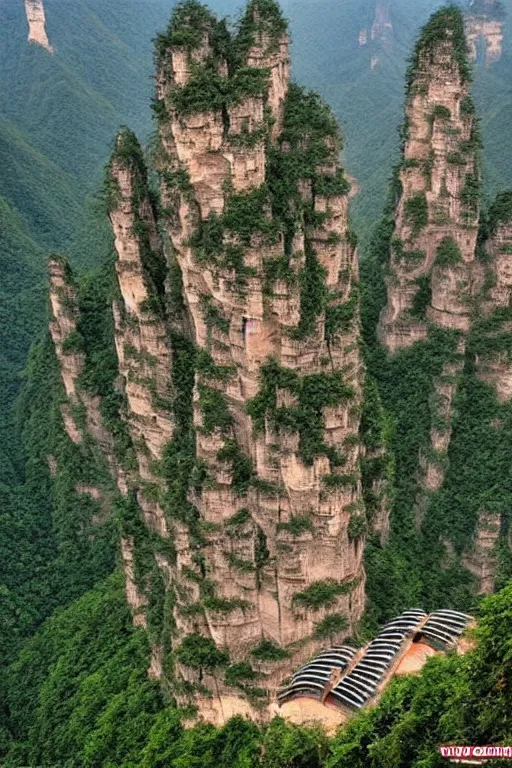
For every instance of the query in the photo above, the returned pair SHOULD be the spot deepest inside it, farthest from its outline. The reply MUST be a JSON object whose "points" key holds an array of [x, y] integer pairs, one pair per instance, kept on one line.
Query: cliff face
{"points": [[269, 280], [143, 348], [236, 320], [37, 24], [80, 412], [437, 214]]}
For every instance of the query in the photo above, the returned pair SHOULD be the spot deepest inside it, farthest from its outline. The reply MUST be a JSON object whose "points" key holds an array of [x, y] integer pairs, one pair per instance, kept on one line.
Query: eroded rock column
{"points": [[270, 285]]}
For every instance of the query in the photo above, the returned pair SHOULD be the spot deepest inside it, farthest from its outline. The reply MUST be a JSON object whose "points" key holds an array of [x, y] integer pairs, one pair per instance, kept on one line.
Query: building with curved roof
{"points": [[346, 679]]}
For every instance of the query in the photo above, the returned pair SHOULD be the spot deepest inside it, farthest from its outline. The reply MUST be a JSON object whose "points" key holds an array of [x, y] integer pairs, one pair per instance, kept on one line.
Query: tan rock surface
{"points": [[36, 18], [433, 139], [490, 32], [263, 563]]}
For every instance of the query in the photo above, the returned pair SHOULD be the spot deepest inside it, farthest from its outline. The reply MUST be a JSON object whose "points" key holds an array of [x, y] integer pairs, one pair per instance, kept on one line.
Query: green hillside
{"points": [[78, 695], [69, 104], [58, 115]]}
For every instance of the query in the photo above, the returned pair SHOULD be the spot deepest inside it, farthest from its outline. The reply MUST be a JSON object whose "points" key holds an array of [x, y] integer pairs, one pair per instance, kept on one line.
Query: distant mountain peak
{"points": [[484, 27], [381, 30], [37, 24]]}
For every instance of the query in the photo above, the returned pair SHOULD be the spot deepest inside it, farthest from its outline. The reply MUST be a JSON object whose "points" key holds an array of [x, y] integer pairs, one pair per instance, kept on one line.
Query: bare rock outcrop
{"points": [[37, 24], [141, 335], [237, 332]]}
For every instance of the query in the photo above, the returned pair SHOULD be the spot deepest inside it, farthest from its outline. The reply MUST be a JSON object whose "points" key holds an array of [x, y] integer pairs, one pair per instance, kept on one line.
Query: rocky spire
{"points": [[66, 338], [237, 331], [141, 336], [256, 208], [437, 209]]}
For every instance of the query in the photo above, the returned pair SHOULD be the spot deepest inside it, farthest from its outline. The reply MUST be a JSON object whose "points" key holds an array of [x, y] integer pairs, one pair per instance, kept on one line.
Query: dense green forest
{"points": [[58, 114], [78, 693]]}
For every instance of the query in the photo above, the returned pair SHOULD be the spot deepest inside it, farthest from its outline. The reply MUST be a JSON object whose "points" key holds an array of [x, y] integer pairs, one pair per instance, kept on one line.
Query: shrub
{"points": [[321, 594], [297, 525], [440, 112], [416, 211], [239, 673], [456, 158], [74, 342], [200, 652], [214, 407], [470, 195], [269, 651], [422, 297], [241, 466], [223, 605], [331, 626], [448, 253], [357, 527]]}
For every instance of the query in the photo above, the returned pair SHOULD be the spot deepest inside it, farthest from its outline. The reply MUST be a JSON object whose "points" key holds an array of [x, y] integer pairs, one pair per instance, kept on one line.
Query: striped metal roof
{"points": [[358, 686]]}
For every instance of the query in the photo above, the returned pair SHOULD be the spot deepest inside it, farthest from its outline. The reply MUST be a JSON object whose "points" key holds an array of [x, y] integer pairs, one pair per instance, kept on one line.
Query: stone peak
{"points": [[443, 43], [489, 9]]}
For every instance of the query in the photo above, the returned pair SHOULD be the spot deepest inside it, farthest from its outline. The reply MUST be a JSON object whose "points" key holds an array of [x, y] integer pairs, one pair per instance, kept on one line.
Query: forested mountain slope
{"points": [[58, 114], [79, 694]]}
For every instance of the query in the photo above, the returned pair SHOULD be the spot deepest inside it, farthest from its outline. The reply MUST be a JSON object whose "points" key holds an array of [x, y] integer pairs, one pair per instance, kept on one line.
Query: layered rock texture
{"points": [[37, 24], [484, 30], [446, 318], [236, 323], [213, 378], [437, 215]]}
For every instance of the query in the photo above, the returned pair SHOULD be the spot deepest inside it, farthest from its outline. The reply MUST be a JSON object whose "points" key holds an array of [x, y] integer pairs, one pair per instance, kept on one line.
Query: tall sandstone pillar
{"points": [[432, 260], [237, 333], [255, 207]]}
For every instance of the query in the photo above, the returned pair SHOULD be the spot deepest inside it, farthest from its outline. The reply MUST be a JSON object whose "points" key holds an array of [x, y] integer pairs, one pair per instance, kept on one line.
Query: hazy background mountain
{"points": [[58, 114]]}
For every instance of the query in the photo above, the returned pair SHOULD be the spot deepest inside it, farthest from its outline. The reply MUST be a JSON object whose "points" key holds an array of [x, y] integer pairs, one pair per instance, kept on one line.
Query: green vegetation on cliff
{"points": [[79, 694], [444, 26]]}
